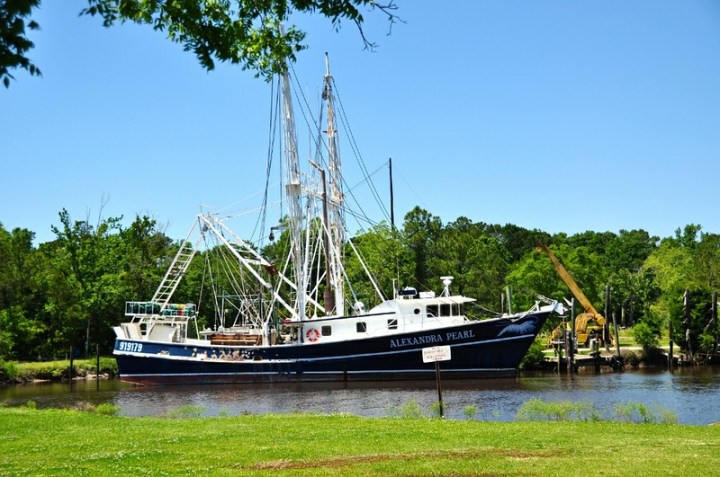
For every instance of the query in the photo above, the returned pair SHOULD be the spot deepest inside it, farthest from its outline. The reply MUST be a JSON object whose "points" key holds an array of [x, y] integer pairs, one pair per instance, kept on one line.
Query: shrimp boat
{"points": [[292, 319]]}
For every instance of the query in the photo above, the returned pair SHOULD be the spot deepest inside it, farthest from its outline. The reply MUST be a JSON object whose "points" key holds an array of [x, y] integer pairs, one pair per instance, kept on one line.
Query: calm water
{"points": [[693, 394]]}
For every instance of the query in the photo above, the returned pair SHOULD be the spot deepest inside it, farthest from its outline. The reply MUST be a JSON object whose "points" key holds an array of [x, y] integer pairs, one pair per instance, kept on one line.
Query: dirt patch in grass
{"points": [[335, 462]]}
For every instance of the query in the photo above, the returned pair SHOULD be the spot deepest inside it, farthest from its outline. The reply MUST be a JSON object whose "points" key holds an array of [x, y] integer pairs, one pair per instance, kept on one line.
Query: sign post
{"points": [[436, 354]]}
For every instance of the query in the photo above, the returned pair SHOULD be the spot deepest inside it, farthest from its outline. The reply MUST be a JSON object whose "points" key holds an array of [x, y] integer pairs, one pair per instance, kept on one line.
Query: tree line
{"points": [[72, 290]]}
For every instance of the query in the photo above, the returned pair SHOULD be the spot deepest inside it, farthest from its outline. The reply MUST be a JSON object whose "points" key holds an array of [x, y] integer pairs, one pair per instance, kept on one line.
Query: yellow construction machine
{"points": [[590, 324]]}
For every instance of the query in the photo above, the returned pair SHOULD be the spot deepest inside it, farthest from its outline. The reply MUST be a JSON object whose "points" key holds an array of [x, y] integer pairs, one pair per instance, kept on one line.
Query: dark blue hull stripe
{"points": [[319, 359]]}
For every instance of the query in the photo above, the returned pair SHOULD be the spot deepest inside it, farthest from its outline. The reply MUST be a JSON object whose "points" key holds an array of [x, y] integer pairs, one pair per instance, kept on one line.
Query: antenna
{"points": [[447, 281]]}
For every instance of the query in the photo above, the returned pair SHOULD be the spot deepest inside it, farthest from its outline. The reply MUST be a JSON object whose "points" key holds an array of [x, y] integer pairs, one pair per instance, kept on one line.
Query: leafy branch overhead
{"points": [[14, 44], [256, 34]]}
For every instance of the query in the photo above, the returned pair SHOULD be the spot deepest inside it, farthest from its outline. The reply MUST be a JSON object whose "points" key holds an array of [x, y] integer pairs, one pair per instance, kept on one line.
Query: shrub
{"points": [[107, 409], [707, 342], [8, 371], [411, 410], [645, 336], [539, 410], [633, 412], [534, 357], [639, 413], [470, 412], [631, 358], [187, 411], [654, 356], [83, 406]]}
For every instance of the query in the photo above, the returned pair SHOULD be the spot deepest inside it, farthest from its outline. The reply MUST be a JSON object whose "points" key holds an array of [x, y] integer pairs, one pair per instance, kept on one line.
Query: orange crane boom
{"points": [[568, 280], [588, 323]]}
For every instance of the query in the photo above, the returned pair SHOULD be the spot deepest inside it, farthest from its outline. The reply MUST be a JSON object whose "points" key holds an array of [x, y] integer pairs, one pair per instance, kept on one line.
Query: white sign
{"points": [[436, 353]]}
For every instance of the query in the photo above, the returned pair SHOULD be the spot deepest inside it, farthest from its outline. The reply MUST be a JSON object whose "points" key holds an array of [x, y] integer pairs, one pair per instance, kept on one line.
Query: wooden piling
{"points": [[571, 340], [97, 367], [671, 353], [715, 321], [72, 356]]}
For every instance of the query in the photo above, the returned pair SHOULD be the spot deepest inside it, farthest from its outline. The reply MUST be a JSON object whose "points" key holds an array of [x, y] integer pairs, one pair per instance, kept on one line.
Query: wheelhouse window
{"points": [[392, 324], [361, 327], [454, 309], [326, 330]]}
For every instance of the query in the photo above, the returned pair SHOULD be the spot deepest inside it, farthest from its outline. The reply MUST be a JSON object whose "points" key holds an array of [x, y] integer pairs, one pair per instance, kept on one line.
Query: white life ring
{"points": [[312, 335]]}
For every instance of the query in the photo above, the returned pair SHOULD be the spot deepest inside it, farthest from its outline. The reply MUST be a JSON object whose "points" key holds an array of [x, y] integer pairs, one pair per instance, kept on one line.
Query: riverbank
{"points": [[60, 442], [17, 373]]}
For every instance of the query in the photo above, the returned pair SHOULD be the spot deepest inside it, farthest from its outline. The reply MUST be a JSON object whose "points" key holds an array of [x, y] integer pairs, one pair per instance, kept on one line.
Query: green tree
{"points": [[244, 32], [690, 314], [17, 267], [421, 232], [147, 253], [629, 250], [631, 287], [706, 260], [488, 265], [20, 298], [595, 242], [517, 241], [84, 281], [385, 259], [451, 254], [534, 275], [685, 270]]}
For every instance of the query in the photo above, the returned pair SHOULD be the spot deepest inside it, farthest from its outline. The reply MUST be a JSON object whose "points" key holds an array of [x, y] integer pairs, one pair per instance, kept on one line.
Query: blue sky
{"points": [[564, 116]]}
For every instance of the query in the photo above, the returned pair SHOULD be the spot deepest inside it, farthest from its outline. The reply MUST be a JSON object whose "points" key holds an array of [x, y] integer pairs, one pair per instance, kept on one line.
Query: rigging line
{"points": [[362, 216], [213, 284], [299, 93], [353, 145], [380, 167], [272, 134], [230, 214], [409, 186], [358, 215], [351, 193], [236, 203], [232, 272], [321, 143], [492, 312], [319, 157], [200, 295], [364, 265], [305, 109]]}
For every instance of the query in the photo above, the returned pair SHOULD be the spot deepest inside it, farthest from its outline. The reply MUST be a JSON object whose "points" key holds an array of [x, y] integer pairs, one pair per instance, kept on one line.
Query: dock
{"points": [[597, 361], [608, 360]]}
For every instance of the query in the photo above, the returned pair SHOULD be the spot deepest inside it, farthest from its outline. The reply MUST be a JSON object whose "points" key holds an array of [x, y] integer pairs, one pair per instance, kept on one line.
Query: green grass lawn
{"points": [[63, 442]]}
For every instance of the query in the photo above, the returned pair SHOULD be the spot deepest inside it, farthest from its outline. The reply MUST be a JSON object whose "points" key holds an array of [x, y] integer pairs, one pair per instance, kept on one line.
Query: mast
{"points": [[293, 191], [329, 297], [392, 198], [336, 222]]}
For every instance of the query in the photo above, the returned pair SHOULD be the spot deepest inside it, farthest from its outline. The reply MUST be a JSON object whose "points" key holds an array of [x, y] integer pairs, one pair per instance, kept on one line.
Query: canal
{"points": [[693, 394]]}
